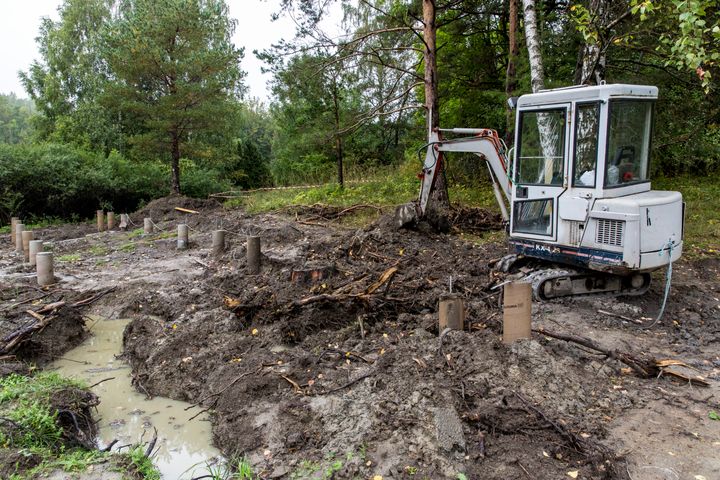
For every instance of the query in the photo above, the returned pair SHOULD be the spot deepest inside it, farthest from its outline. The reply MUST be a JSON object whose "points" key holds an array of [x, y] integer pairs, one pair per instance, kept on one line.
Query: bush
{"points": [[51, 180]]}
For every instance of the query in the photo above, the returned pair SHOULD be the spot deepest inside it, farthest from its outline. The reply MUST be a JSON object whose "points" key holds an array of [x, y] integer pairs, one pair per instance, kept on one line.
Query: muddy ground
{"points": [[329, 364]]}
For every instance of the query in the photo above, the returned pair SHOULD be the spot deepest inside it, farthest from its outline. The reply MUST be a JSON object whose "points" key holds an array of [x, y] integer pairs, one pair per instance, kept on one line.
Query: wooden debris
{"points": [[621, 317], [642, 365], [185, 210], [295, 385]]}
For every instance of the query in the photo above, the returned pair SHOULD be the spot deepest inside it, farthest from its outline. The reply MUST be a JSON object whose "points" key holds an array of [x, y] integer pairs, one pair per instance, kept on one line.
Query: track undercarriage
{"points": [[554, 281]]}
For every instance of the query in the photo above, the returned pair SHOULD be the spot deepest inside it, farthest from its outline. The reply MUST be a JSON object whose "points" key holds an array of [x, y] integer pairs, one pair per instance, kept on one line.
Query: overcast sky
{"points": [[20, 20]]}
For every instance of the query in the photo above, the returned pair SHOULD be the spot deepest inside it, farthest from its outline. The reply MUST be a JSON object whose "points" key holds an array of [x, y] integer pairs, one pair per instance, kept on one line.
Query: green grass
{"points": [[163, 235], [25, 401], [136, 233], [143, 465], [702, 215], [98, 250], [37, 223], [39, 387], [384, 188], [69, 258], [127, 247]]}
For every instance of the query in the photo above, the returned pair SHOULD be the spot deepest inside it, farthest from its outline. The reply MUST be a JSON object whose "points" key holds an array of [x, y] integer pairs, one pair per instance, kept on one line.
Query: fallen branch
{"points": [[151, 445], [93, 298], [643, 366], [573, 439], [295, 385], [101, 381], [621, 317]]}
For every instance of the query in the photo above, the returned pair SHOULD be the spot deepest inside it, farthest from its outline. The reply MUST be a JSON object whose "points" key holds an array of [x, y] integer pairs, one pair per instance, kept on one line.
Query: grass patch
{"points": [[387, 187], [141, 465], [37, 223], [236, 468], [702, 217], [326, 469], [136, 233], [127, 247], [69, 258], [98, 250], [163, 235], [30, 426]]}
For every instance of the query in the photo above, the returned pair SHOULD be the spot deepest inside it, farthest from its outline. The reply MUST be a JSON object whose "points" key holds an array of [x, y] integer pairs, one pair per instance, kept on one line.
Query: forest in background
{"points": [[133, 99]]}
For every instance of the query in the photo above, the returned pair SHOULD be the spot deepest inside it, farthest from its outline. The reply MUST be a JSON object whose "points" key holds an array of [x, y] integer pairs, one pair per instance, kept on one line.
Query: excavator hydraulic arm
{"points": [[486, 144]]}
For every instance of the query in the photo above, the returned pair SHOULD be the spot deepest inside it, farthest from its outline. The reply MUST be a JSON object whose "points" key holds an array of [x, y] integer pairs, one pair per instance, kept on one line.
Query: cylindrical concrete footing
{"points": [[148, 226], [253, 255], [45, 269], [182, 237], [19, 227], [27, 235], [111, 220], [36, 246], [13, 221], [517, 307], [218, 242], [100, 220], [451, 313]]}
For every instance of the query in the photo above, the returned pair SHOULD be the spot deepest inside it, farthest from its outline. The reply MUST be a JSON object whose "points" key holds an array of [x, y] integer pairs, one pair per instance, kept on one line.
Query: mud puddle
{"points": [[184, 445]]}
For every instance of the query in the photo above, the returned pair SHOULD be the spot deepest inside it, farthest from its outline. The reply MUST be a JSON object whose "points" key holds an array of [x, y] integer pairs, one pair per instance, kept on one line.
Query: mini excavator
{"points": [[575, 189]]}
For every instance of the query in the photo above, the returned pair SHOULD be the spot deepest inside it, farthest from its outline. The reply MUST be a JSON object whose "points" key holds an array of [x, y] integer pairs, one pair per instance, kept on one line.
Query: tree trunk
{"points": [[175, 165], [537, 76], [438, 208], [593, 54], [338, 138], [547, 130], [511, 74]]}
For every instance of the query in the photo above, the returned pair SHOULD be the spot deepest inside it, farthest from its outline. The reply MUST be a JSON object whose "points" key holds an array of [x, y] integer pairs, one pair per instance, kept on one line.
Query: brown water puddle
{"points": [[184, 445]]}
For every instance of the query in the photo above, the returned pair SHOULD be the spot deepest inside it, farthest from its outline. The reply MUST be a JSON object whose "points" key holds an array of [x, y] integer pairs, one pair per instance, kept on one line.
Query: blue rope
{"points": [[668, 279]]}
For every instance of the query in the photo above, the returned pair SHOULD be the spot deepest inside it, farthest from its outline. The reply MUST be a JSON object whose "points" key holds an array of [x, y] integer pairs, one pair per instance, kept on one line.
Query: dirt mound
{"points": [[474, 220], [164, 208], [334, 348], [40, 327]]}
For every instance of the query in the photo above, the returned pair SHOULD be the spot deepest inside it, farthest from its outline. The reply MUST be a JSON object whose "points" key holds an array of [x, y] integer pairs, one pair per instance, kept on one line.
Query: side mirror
{"points": [[512, 102]]}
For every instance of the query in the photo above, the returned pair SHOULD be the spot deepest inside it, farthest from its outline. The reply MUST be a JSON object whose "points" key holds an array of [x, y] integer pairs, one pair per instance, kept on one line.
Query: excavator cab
{"points": [[577, 189], [581, 193]]}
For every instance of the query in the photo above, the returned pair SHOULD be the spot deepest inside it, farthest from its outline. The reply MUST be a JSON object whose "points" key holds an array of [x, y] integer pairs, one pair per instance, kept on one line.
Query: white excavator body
{"points": [[577, 189]]}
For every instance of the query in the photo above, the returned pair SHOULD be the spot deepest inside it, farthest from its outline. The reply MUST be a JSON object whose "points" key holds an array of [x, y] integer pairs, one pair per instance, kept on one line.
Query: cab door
{"points": [[540, 171]]}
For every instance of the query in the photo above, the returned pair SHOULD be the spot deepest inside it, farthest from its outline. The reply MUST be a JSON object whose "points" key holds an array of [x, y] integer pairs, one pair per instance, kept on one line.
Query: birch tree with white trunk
{"points": [[548, 131]]}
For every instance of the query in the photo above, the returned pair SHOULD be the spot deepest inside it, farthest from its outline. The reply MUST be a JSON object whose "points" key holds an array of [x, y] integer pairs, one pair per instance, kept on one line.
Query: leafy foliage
{"points": [[57, 180]]}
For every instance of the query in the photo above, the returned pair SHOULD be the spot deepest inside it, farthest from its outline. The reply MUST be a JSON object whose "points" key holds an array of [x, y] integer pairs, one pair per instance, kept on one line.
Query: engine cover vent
{"points": [[610, 232]]}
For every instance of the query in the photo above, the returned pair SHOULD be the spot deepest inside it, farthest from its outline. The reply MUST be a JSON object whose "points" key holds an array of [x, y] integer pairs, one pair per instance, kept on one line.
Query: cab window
{"points": [[541, 151], [587, 130], [628, 152]]}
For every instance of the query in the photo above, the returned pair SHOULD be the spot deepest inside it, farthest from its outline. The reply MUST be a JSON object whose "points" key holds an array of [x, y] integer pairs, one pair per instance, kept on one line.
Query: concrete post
{"points": [[13, 222], [124, 221], [27, 235], [19, 227], [100, 220], [218, 242], [45, 270], [36, 246], [253, 255], [111, 220], [148, 226], [451, 313], [182, 237], [517, 307]]}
